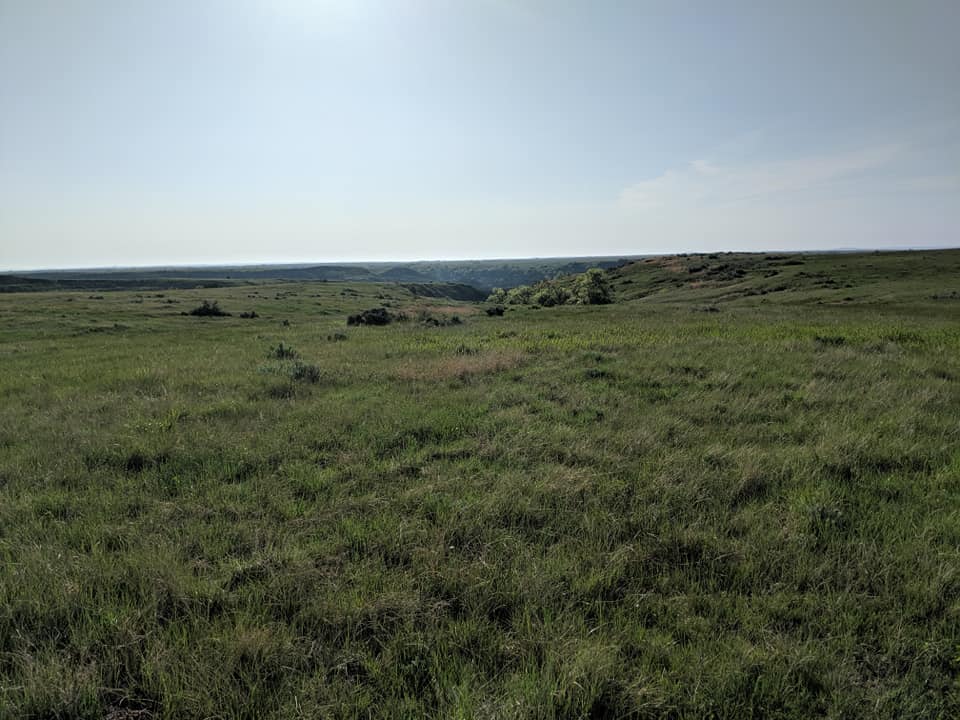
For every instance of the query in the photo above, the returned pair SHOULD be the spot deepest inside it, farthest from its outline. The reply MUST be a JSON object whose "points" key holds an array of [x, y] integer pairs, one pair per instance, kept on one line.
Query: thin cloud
{"points": [[704, 183], [933, 183]]}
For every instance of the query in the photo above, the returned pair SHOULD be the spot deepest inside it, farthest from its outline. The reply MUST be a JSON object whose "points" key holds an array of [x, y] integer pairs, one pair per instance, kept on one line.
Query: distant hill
{"points": [[863, 278], [352, 273], [708, 278], [404, 273], [483, 275], [454, 291], [17, 283], [332, 273], [489, 274]]}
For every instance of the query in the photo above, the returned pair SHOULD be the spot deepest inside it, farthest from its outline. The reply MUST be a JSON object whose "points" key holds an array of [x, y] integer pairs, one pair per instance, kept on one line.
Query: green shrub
{"points": [[499, 296], [283, 352], [592, 288], [374, 316], [428, 318], [589, 288], [302, 372], [208, 309]]}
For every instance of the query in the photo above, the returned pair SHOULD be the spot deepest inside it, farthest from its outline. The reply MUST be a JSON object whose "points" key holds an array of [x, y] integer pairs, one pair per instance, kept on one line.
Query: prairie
{"points": [[734, 492]]}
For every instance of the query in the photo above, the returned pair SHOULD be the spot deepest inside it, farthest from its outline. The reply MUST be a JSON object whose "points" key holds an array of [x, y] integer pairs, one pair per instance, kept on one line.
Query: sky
{"points": [[136, 132]]}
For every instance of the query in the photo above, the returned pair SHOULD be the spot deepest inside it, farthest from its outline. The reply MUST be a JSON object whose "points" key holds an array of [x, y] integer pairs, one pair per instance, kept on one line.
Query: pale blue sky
{"points": [[187, 131]]}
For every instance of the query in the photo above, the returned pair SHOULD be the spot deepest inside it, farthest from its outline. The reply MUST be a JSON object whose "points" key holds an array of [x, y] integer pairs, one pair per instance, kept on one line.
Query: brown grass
{"points": [[440, 310], [460, 366]]}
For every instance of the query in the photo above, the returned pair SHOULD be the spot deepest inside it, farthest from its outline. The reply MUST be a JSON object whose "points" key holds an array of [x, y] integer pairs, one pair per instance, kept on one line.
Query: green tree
{"points": [[592, 288], [499, 295], [521, 295]]}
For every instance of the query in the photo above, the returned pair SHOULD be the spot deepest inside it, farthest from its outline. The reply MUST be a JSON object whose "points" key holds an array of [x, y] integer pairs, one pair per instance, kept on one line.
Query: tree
{"points": [[592, 288], [499, 296]]}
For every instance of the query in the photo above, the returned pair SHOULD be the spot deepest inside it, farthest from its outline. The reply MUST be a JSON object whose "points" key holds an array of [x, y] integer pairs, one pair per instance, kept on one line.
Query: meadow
{"points": [[732, 493]]}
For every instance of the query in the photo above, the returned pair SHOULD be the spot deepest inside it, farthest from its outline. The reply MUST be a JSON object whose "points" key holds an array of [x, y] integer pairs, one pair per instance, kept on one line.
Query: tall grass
{"points": [[633, 510]]}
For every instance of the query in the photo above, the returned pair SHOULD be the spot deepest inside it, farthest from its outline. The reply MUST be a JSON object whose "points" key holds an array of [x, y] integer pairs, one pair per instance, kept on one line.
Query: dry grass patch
{"points": [[460, 366], [671, 263], [448, 311]]}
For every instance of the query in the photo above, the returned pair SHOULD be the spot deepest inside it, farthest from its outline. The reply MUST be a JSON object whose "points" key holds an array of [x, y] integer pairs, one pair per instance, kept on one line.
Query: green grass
{"points": [[703, 501]]}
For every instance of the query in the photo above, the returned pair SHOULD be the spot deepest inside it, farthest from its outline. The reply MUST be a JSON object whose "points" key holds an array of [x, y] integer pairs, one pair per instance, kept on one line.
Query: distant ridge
{"points": [[481, 275], [403, 273]]}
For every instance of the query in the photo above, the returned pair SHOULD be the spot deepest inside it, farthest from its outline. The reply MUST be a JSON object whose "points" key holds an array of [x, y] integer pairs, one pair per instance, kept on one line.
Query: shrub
{"points": [[375, 316], [589, 288], [282, 391], [830, 340], [522, 295], [208, 309], [441, 320], [592, 288], [499, 295], [548, 294], [283, 352], [596, 374], [302, 372], [495, 311]]}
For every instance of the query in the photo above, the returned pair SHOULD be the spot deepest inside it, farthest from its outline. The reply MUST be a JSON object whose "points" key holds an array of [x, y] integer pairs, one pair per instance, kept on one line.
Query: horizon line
{"points": [[329, 263]]}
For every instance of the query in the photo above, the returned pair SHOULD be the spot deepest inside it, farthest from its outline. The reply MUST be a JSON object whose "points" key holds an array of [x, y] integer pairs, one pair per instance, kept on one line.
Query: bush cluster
{"points": [[427, 318], [282, 352], [589, 288], [208, 309], [374, 316], [297, 370], [303, 372]]}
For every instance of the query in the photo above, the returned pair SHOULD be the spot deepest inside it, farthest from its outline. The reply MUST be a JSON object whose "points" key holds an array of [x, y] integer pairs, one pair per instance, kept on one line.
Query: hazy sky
{"points": [[182, 131]]}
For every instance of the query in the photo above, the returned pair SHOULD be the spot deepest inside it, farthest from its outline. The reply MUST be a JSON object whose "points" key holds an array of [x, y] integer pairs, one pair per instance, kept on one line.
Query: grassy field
{"points": [[733, 493]]}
